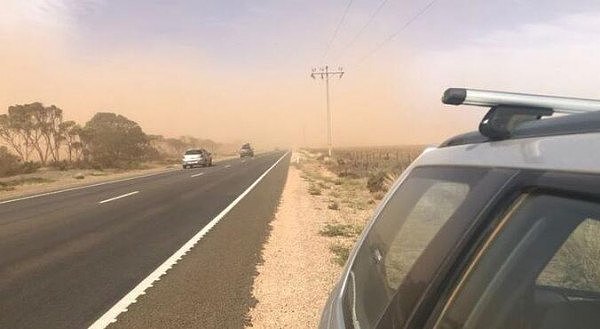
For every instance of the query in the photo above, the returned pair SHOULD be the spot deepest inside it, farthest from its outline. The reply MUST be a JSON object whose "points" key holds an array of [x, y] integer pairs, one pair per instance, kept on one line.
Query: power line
{"points": [[364, 27], [395, 34], [337, 28]]}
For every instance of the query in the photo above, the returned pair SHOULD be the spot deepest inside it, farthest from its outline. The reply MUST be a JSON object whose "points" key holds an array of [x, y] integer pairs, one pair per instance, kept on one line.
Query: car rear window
{"points": [[190, 152], [396, 255]]}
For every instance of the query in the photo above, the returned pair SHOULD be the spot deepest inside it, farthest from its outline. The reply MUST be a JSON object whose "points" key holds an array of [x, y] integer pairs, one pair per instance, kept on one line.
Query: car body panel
{"points": [[573, 153]]}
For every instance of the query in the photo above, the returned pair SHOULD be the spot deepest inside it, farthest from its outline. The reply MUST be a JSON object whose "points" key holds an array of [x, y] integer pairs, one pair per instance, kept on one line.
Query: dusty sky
{"points": [[239, 70]]}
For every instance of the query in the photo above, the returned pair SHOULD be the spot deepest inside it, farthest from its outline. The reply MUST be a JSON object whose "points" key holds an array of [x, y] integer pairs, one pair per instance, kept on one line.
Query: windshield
{"points": [[193, 152]]}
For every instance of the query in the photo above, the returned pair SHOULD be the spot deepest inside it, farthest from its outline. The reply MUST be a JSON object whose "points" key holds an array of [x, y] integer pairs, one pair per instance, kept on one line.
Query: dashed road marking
{"points": [[196, 175], [227, 166], [119, 197]]}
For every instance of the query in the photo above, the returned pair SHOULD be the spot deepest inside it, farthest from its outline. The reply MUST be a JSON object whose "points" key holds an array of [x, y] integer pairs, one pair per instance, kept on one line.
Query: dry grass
{"points": [[10, 185], [354, 181], [341, 251], [337, 229]]}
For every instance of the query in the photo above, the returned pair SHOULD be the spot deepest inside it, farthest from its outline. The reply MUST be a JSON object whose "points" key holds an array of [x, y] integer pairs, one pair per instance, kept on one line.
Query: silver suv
{"points": [[498, 228]]}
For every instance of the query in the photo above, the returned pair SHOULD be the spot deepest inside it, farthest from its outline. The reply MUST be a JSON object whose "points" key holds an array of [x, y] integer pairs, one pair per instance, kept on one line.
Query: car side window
{"points": [[423, 222], [540, 268], [402, 234], [576, 265]]}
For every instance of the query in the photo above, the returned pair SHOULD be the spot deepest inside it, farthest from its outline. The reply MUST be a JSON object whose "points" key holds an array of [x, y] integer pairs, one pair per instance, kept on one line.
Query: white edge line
{"points": [[119, 197], [121, 306], [196, 175], [86, 186]]}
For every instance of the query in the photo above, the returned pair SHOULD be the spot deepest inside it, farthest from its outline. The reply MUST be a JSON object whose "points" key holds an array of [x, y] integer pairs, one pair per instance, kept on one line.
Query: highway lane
{"points": [[68, 257]]}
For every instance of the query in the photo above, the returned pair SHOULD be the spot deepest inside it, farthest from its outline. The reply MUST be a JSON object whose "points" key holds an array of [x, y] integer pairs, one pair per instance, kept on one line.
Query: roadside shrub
{"points": [[333, 205], [378, 195], [314, 190], [9, 163], [62, 165], [113, 141], [348, 174], [336, 229], [11, 184], [341, 253], [29, 167], [376, 181]]}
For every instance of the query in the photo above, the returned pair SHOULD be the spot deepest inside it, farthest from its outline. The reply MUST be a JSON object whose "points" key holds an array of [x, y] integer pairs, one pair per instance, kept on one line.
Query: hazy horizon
{"points": [[239, 71]]}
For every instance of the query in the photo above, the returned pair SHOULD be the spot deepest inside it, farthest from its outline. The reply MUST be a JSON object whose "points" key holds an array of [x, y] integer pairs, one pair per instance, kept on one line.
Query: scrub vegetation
{"points": [[349, 185], [12, 184]]}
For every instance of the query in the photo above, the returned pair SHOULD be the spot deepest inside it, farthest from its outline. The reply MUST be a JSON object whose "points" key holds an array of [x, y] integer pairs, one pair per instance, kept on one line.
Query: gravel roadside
{"points": [[297, 275]]}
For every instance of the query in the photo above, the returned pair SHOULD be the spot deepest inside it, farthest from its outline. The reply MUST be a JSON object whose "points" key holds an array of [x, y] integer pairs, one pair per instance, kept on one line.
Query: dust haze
{"points": [[267, 97]]}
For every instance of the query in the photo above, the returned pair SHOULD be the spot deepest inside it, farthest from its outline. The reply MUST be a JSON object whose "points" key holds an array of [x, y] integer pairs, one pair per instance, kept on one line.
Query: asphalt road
{"points": [[67, 258]]}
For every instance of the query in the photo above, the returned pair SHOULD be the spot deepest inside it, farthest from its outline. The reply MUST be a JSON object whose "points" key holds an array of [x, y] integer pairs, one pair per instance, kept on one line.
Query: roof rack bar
{"points": [[462, 96]]}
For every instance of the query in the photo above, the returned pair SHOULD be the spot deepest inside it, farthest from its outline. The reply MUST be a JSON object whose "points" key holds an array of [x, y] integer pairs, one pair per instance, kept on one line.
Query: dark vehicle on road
{"points": [[246, 151], [498, 228], [196, 158]]}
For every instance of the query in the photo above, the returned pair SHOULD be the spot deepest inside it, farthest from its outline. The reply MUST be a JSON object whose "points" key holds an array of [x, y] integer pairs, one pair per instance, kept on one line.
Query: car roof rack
{"points": [[508, 111]]}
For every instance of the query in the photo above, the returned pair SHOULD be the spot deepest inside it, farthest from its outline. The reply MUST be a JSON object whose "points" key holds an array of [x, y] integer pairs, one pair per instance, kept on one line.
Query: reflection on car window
{"points": [[427, 217], [576, 265]]}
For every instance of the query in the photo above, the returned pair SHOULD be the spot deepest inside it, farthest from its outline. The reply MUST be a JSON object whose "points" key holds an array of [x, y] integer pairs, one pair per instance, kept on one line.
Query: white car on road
{"points": [[196, 157]]}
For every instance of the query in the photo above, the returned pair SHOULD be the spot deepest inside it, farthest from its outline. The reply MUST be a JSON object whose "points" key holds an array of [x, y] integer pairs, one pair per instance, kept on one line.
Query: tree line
{"points": [[38, 134]]}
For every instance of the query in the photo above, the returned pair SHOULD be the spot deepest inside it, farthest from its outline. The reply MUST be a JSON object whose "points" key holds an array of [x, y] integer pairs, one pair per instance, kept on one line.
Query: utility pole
{"points": [[324, 74]]}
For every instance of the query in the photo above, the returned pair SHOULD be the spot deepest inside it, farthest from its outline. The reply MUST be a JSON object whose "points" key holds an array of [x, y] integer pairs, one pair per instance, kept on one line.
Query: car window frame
{"points": [[584, 186]]}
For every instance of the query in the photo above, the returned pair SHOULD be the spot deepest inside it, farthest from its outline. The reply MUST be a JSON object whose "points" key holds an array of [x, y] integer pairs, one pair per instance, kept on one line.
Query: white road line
{"points": [[196, 175], [243, 161], [227, 166], [84, 187], [121, 306], [119, 197]]}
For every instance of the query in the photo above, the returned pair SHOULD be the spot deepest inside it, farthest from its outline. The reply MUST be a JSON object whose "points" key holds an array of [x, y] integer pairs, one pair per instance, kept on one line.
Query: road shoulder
{"points": [[297, 275]]}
